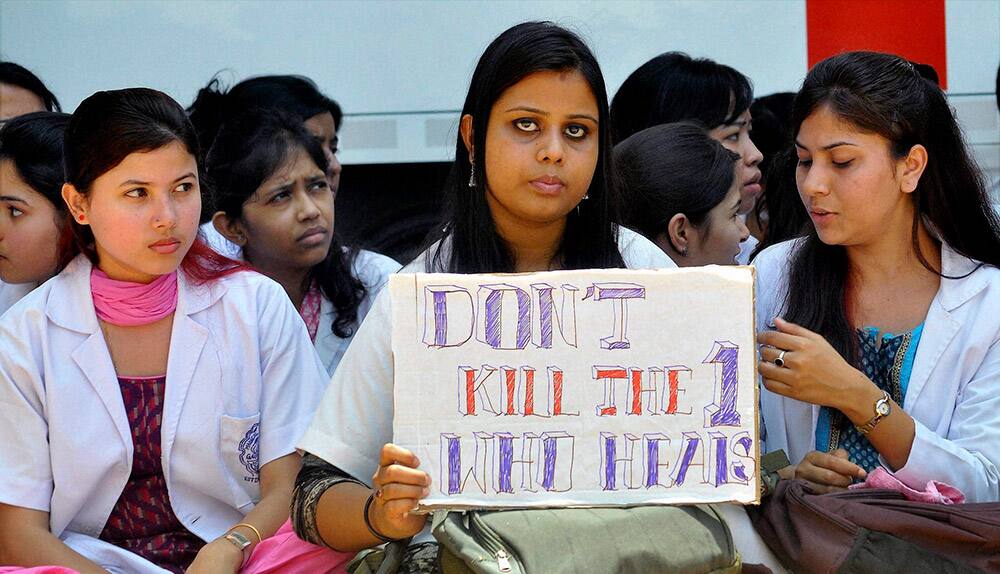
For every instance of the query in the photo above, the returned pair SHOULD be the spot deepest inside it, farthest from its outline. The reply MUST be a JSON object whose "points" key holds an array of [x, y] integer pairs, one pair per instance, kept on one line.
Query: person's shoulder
{"points": [[372, 268], [29, 310], [777, 255], [641, 253], [62, 299], [420, 262], [963, 277], [241, 286]]}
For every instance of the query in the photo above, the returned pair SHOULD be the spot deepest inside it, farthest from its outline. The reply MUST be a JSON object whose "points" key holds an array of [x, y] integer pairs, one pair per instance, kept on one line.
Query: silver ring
{"points": [[779, 361]]}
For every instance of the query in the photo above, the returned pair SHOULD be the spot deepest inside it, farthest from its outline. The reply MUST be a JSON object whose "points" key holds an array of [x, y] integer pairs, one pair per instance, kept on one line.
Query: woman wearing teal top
{"points": [[885, 348]]}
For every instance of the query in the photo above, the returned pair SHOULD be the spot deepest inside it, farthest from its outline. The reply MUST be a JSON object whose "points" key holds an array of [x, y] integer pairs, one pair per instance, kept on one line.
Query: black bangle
{"points": [[368, 522]]}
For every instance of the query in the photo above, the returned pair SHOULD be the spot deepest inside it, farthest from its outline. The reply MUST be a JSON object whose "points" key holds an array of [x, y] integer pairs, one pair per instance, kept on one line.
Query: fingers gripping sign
{"points": [[399, 486]]}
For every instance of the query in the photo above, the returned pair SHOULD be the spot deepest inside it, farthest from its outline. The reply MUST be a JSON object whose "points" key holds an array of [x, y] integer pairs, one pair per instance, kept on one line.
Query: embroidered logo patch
{"points": [[248, 452]]}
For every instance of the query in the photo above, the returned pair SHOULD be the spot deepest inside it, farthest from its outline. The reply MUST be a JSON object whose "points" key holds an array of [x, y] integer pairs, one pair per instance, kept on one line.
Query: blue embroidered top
{"points": [[887, 362]]}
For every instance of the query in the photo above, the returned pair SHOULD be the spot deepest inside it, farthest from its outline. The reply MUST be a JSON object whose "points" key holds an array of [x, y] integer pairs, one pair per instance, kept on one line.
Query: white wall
{"points": [[400, 69]]}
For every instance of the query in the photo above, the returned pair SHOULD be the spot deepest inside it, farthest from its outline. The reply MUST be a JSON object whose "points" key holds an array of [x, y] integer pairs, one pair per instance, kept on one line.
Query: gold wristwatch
{"points": [[883, 407]]}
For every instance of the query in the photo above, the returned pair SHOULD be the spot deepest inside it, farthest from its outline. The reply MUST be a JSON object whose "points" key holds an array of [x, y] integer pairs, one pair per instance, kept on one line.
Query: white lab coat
{"points": [[239, 357], [373, 270], [11, 293], [954, 390]]}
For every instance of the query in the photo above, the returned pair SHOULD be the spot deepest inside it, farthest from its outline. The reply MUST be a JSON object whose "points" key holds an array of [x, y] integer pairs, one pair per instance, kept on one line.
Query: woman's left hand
{"points": [[218, 556], [813, 371]]}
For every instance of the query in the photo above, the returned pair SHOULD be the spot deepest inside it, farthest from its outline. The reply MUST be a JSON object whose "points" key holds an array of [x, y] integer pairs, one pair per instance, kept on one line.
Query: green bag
{"points": [[641, 539]]}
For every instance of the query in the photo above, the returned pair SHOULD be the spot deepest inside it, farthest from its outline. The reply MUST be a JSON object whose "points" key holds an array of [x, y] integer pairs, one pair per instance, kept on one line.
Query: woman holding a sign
{"points": [[529, 192], [886, 348]]}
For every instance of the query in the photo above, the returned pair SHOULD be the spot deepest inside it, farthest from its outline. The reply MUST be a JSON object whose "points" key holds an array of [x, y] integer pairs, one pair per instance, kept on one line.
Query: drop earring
{"points": [[472, 174]]}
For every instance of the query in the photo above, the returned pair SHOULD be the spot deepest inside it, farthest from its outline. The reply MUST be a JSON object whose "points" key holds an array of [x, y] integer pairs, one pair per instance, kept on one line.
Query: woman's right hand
{"points": [[399, 487], [828, 471]]}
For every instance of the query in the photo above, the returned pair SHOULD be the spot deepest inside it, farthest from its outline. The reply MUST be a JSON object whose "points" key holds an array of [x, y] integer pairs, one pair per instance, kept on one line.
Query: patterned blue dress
{"points": [[887, 361]]}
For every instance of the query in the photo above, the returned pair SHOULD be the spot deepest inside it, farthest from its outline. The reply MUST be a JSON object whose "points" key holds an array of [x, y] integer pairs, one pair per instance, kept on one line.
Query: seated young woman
{"points": [[296, 96], [674, 87], [152, 391], [885, 348], [32, 211], [272, 198], [530, 191], [680, 191]]}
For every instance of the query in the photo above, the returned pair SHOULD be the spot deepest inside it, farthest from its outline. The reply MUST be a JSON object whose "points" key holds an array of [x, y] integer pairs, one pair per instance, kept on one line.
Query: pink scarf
{"points": [[128, 304]]}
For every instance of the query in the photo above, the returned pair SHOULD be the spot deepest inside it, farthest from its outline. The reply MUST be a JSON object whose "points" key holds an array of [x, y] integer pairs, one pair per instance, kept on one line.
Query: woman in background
{"points": [[680, 191], [674, 87], [274, 200], [32, 212]]}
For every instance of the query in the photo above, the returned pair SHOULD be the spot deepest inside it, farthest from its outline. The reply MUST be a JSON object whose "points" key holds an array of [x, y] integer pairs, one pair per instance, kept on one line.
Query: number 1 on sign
{"points": [[723, 411]]}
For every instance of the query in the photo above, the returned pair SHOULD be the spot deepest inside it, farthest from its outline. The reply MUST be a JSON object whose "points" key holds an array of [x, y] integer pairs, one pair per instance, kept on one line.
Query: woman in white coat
{"points": [[153, 390], [886, 351], [32, 211], [530, 191], [273, 198]]}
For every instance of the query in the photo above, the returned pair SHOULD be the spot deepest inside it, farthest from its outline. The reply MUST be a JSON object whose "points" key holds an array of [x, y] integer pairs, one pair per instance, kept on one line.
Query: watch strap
{"points": [[869, 426]]}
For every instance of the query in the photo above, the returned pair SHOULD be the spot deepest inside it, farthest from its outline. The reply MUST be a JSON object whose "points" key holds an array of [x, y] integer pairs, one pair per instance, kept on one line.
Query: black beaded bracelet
{"points": [[368, 523]]}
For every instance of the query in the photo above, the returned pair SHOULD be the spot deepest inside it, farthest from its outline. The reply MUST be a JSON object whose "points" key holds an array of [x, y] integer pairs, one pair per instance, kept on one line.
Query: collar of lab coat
{"points": [[70, 306], [70, 309], [960, 282]]}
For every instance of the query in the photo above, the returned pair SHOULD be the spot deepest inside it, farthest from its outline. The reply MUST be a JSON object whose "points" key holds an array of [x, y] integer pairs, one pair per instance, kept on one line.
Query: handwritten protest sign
{"points": [[578, 388]]}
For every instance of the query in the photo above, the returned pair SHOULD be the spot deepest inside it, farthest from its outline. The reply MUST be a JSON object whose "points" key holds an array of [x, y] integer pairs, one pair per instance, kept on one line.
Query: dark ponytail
{"points": [[669, 169]]}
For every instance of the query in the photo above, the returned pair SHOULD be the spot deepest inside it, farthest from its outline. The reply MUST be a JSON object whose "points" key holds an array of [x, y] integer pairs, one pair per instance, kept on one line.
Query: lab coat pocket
{"points": [[239, 438]]}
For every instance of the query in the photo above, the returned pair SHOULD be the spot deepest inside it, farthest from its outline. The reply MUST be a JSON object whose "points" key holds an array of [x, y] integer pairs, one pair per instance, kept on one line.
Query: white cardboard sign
{"points": [[578, 388]]}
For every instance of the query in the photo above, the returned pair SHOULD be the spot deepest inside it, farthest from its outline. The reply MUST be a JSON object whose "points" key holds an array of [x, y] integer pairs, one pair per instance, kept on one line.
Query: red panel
{"points": [[913, 29]]}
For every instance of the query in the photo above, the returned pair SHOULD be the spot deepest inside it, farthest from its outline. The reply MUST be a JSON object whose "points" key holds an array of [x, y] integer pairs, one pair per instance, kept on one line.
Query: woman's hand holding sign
{"points": [[399, 486]]}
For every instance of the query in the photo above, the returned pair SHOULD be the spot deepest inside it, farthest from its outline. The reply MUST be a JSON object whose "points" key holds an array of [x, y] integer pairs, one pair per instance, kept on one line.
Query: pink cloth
{"points": [[935, 492], [311, 304], [37, 570], [286, 553], [283, 553], [128, 304]]}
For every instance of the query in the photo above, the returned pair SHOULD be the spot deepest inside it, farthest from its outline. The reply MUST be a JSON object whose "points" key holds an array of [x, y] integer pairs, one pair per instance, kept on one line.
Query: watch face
{"points": [[883, 408]]}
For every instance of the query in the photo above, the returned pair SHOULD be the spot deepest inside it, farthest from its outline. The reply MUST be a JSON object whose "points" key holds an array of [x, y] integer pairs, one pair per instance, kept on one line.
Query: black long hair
{"points": [[215, 105], [669, 169], [247, 151], [590, 236], [787, 217], [33, 143], [17, 75], [883, 94], [674, 87], [297, 96]]}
